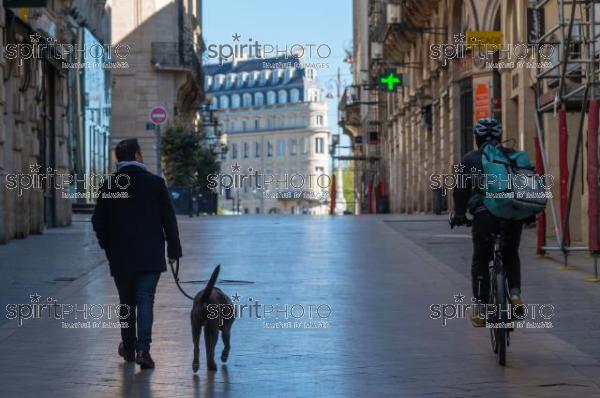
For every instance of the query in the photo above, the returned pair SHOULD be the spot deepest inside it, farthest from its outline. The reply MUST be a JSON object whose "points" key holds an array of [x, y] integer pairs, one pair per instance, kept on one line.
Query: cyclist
{"points": [[469, 196]]}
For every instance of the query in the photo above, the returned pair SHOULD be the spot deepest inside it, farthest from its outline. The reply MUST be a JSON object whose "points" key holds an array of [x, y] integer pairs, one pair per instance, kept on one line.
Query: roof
{"points": [[249, 65]]}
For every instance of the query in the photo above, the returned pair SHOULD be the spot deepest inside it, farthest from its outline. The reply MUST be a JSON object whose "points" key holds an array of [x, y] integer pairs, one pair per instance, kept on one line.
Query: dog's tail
{"points": [[211, 283]]}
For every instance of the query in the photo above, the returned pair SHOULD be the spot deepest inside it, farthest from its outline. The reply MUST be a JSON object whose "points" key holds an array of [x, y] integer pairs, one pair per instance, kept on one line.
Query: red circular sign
{"points": [[158, 115]]}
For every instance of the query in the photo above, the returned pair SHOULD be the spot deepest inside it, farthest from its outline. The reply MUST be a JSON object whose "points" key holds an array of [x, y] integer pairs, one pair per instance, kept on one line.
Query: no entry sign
{"points": [[158, 115]]}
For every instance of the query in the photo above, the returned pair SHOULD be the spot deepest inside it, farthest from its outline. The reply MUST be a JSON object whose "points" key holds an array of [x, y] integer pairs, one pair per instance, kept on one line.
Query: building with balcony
{"points": [[164, 68], [275, 123], [425, 126]]}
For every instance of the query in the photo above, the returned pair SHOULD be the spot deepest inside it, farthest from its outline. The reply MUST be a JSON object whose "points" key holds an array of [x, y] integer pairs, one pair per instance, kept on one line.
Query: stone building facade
{"points": [[425, 126], [164, 68], [275, 123], [35, 103]]}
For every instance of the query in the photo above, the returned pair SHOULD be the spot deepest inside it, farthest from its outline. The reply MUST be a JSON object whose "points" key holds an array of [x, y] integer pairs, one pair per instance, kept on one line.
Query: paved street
{"points": [[378, 274]]}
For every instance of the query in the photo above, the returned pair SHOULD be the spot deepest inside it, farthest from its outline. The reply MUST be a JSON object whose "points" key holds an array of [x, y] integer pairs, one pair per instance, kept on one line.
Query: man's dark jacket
{"points": [[133, 230]]}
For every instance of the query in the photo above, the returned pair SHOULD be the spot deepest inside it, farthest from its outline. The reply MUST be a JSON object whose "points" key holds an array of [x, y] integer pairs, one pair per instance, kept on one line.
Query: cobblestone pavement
{"points": [[379, 276]]}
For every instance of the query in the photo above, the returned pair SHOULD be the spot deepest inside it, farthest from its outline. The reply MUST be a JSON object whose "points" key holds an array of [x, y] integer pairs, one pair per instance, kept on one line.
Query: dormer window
{"points": [[218, 83], [243, 78], [264, 77], [289, 74], [230, 80], [251, 79]]}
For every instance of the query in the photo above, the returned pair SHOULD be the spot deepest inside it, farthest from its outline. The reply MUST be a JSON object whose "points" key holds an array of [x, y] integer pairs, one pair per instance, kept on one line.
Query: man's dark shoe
{"points": [[144, 360], [128, 355]]}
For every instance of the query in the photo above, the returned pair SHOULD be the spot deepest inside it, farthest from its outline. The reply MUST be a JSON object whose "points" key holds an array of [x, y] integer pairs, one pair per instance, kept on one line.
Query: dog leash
{"points": [[176, 277]]}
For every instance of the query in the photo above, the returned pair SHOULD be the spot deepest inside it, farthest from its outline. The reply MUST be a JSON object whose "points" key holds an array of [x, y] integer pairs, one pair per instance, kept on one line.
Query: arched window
{"points": [[271, 98], [247, 99], [215, 103], [294, 95], [235, 101], [259, 99], [224, 100], [282, 96]]}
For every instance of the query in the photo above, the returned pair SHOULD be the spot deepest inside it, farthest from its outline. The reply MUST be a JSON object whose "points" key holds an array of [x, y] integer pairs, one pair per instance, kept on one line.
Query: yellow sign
{"points": [[24, 14], [485, 40]]}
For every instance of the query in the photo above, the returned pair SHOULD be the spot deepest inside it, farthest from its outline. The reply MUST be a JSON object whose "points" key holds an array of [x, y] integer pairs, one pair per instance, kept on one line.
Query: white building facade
{"points": [[276, 129]]}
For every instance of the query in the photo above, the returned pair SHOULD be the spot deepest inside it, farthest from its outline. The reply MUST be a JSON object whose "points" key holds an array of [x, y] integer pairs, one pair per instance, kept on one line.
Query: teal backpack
{"points": [[511, 188]]}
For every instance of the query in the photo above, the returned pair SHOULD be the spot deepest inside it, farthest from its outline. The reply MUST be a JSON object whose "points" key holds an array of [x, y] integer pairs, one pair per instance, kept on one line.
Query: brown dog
{"points": [[209, 307]]}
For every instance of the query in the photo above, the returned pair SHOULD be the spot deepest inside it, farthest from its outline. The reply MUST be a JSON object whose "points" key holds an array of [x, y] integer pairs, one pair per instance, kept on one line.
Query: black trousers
{"points": [[485, 224], [136, 294]]}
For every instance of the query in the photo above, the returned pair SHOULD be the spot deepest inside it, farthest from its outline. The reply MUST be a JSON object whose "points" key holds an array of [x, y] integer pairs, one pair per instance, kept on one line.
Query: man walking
{"points": [[132, 219]]}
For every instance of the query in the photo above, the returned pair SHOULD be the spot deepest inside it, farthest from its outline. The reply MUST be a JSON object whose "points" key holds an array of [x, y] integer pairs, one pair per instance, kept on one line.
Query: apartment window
{"points": [[319, 120], [282, 96], [244, 125], [256, 124], [247, 99], [305, 146], [293, 147], [310, 73], [232, 126], [257, 210], [269, 149], [246, 150], [215, 103], [294, 95], [224, 102], [313, 95], [319, 145], [271, 98], [235, 101], [246, 211], [259, 99], [280, 147], [234, 151], [257, 149]]}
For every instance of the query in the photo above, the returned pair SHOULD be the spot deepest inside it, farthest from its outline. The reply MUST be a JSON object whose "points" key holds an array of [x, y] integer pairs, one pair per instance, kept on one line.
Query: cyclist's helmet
{"points": [[487, 130]]}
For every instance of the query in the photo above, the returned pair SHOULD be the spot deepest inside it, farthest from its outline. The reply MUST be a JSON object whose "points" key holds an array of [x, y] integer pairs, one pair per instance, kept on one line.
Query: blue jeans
{"points": [[136, 294]]}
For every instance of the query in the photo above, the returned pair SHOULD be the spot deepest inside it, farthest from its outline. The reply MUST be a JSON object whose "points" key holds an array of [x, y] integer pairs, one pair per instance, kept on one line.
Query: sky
{"points": [[281, 22]]}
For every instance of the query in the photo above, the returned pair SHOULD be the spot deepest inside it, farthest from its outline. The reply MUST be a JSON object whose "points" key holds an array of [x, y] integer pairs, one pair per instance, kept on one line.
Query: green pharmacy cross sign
{"points": [[389, 80]]}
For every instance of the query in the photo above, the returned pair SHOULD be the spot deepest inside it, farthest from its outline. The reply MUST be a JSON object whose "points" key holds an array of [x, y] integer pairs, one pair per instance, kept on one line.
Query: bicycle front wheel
{"points": [[500, 331]]}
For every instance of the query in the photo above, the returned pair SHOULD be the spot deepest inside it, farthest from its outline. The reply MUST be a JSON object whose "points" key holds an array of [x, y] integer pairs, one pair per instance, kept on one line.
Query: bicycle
{"points": [[498, 306]]}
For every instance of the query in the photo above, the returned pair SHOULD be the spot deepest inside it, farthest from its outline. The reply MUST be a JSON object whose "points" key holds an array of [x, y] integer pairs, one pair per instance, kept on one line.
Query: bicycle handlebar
{"points": [[452, 221]]}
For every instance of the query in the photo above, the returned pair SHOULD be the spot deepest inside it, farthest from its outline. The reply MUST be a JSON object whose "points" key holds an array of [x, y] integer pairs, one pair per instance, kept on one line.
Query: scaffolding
{"points": [[569, 85]]}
